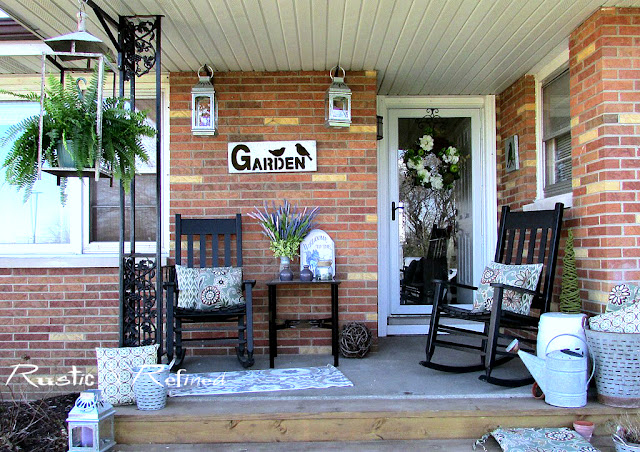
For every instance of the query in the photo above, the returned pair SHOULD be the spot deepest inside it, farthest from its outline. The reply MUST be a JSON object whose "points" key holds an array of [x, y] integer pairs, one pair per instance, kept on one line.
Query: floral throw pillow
{"points": [[209, 289], [115, 371], [538, 440], [622, 295], [525, 276], [625, 320]]}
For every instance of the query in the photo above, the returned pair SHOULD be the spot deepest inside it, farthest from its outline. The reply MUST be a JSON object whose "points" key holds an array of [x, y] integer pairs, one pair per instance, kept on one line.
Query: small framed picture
{"points": [[511, 159]]}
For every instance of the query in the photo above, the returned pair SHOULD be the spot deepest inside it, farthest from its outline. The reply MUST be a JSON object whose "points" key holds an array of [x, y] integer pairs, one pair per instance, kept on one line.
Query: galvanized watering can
{"points": [[562, 375]]}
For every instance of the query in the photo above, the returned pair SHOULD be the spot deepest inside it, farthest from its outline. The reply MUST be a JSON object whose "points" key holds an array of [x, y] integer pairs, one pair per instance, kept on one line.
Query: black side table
{"points": [[276, 324]]}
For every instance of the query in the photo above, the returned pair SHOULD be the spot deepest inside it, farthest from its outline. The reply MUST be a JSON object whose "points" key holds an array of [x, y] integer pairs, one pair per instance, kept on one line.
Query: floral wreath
{"points": [[432, 163]]}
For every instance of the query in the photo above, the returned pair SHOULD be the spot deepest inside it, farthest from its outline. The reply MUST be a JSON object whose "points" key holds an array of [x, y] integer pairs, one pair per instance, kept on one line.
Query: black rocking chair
{"points": [[416, 284], [180, 320], [523, 238]]}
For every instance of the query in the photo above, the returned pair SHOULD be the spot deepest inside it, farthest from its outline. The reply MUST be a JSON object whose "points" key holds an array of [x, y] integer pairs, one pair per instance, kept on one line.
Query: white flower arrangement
{"points": [[432, 166]]}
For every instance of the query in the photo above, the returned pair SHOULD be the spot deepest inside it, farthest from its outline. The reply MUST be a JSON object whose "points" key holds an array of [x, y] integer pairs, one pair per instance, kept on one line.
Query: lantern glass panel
{"points": [[106, 431], [82, 436], [339, 107], [203, 111]]}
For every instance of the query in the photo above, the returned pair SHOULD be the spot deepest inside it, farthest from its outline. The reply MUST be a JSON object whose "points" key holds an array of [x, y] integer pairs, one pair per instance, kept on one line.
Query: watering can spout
{"points": [[536, 367]]}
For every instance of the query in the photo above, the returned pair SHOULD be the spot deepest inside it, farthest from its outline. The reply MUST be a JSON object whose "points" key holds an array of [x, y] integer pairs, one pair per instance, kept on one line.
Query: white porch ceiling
{"points": [[418, 47]]}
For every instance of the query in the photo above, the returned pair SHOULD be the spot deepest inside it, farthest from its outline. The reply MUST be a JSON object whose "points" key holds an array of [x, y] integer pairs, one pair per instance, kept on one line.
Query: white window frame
{"points": [[554, 64], [141, 247], [80, 252]]}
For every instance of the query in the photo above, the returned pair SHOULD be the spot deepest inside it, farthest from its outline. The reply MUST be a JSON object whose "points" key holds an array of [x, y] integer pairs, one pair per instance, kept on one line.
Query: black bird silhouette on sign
{"points": [[277, 152], [302, 151]]}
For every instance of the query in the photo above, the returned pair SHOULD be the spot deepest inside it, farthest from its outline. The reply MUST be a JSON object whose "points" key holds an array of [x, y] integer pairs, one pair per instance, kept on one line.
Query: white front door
{"points": [[411, 214]]}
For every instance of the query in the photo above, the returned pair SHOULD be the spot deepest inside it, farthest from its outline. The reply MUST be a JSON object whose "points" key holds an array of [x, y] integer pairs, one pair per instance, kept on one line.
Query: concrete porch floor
{"points": [[395, 404], [393, 371]]}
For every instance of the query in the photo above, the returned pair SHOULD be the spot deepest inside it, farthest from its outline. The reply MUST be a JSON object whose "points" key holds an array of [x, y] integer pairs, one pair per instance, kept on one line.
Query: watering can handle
{"points": [[593, 358]]}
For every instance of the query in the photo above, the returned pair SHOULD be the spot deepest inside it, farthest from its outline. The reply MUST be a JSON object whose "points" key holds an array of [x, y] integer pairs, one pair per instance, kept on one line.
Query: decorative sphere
{"points": [[355, 340]]}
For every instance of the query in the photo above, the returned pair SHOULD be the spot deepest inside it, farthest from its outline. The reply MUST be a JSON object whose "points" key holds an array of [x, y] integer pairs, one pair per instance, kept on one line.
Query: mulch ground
{"points": [[37, 426]]}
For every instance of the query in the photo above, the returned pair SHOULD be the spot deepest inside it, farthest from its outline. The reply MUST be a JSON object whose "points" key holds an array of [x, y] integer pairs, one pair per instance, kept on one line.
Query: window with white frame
{"points": [[556, 135], [88, 222], [104, 198]]}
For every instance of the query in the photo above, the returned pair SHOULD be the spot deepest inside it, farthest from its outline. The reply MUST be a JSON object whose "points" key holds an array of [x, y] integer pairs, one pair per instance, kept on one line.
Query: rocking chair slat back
{"points": [[190, 229], [531, 246]]}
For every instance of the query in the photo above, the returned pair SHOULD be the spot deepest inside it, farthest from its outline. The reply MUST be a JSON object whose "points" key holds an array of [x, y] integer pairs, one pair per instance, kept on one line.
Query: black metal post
{"points": [[123, 308], [159, 169]]}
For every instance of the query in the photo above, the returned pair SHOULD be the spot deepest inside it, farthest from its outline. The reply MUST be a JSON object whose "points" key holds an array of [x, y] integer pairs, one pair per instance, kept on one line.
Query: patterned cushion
{"points": [[209, 289], [538, 440], [625, 320], [115, 376], [525, 276], [622, 295]]}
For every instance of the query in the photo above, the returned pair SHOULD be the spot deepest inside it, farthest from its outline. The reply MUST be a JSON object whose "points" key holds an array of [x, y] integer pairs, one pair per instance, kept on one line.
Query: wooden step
{"points": [[209, 420]]}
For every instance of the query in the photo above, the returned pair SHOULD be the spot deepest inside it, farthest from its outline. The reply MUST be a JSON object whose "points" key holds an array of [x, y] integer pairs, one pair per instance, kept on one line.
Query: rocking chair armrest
{"points": [[515, 288], [249, 281], [453, 284]]}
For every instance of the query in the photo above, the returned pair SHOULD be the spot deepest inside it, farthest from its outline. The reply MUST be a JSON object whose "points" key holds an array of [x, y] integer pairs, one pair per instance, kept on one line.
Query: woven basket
{"points": [[150, 386], [617, 361]]}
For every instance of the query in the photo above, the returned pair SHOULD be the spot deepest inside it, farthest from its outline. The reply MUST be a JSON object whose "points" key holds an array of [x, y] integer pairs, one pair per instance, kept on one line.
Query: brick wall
{"points": [[516, 115], [605, 112], [54, 318], [286, 106]]}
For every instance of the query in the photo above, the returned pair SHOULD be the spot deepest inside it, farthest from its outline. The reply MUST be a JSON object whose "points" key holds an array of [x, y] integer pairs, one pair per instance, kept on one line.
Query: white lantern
{"points": [[337, 101], [204, 105], [91, 423]]}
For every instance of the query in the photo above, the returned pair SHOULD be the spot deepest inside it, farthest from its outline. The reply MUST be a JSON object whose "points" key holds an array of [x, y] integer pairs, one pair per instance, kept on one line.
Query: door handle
{"points": [[394, 208]]}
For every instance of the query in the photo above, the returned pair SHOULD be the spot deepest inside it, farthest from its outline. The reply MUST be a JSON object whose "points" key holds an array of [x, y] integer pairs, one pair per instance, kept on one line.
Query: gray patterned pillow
{"points": [[624, 320], [209, 289], [525, 276]]}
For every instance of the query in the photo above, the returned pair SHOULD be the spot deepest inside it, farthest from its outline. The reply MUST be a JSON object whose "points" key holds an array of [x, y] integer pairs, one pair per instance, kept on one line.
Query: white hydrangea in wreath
{"points": [[433, 163]]}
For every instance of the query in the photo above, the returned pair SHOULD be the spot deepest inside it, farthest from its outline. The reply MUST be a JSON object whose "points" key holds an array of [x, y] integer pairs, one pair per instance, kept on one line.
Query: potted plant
{"points": [[286, 227], [626, 436], [69, 125]]}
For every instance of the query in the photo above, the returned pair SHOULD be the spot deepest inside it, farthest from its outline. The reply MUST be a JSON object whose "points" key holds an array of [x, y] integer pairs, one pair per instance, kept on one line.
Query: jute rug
{"points": [[212, 383]]}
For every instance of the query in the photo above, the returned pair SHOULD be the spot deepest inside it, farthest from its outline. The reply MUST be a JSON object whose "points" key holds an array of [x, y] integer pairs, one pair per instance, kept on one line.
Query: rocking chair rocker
{"points": [[181, 320], [523, 238]]}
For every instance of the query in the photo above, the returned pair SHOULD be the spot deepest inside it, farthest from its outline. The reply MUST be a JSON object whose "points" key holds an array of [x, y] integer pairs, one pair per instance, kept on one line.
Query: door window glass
{"points": [[428, 220]]}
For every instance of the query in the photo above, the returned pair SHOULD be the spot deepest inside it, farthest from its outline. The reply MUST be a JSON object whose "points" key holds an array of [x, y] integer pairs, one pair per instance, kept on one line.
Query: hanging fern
{"points": [[70, 117]]}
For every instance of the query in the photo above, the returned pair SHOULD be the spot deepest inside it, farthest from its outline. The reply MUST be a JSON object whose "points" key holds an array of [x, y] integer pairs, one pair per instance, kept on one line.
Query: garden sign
{"points": [[272, 157]]}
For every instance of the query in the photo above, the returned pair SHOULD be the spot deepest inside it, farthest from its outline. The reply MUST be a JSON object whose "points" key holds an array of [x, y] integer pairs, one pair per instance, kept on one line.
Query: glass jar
{"points": [[323, 271]]}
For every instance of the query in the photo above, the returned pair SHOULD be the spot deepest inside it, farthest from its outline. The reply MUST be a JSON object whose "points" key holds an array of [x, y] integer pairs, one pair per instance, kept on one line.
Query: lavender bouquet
{"points": [[285, 226]]}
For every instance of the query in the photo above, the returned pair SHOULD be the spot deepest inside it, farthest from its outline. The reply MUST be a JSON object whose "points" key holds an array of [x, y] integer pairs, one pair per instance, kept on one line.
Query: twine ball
{"points": [[355, 340]]}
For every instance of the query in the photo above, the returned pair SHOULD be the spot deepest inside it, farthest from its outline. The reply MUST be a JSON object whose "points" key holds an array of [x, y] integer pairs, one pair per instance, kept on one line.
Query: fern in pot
{"points": [[69, 126]]}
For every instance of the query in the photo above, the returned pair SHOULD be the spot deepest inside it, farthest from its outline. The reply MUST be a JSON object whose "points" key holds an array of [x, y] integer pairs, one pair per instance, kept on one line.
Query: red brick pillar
{"points": [[605, 120]]}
